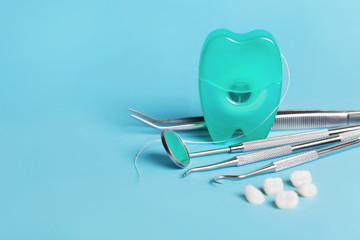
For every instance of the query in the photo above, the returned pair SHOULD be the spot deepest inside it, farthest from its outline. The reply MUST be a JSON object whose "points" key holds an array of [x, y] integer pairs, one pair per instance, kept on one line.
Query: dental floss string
{"points": [[137, 156], [282, 99], [194, 142]]}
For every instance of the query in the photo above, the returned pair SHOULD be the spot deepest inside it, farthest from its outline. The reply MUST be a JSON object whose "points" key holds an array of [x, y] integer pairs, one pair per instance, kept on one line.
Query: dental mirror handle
{"points": [[279, 141], [269, 142]]}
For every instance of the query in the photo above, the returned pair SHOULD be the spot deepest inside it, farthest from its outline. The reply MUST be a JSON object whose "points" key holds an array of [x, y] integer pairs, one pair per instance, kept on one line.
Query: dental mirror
{"points": [[175, 148]]}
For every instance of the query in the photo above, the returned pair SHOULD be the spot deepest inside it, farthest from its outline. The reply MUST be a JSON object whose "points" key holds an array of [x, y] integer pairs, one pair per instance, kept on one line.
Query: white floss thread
{"points": [[137, 156]]}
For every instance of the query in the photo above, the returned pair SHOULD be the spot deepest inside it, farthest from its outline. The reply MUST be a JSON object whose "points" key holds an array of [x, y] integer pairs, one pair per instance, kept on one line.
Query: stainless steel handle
{"points": [[321, 119], [311, 120], [295, 160], [280, 140], [285, 119], [263, 155]]}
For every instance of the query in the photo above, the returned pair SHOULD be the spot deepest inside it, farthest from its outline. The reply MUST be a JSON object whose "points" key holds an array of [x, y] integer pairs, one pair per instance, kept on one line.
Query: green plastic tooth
{"points": [[240, 77]]}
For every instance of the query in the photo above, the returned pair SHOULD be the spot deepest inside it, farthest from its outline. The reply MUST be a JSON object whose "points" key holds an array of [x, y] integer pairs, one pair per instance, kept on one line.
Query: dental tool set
{"points": [[240, 84]]}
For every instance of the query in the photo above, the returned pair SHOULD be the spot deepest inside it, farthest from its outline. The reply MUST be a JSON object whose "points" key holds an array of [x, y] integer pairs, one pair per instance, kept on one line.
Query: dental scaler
{"points": [[291, 161]]}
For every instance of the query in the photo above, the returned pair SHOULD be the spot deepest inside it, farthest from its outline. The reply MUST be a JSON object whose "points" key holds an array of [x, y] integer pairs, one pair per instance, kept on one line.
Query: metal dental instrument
{"points": [[290, 161], [276, 152], [179, 154], [285, 120]]}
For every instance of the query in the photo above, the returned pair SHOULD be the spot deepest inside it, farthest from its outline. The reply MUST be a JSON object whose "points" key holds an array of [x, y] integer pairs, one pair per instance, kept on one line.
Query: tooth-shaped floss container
{"points": [[240, 78]]}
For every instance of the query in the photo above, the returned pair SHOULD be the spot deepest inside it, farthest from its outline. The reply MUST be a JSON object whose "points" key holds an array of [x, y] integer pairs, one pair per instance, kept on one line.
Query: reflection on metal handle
{"points": [[314, 120], [282, 140]]}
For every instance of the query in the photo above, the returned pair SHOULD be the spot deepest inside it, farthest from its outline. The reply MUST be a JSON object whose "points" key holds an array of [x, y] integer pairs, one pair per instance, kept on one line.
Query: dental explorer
{"points": [[180, 155], [276, 152], [291, 161]]}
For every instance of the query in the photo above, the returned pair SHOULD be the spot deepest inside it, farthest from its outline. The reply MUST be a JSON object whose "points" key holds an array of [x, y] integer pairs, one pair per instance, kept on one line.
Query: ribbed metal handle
{"points": [[349, 135], [310, 120], [296, 160], [264, 154], [284, 140]]}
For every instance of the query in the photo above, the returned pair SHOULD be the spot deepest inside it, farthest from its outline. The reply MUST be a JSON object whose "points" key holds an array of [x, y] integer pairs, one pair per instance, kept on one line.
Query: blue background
{"points": [[70, 69]]}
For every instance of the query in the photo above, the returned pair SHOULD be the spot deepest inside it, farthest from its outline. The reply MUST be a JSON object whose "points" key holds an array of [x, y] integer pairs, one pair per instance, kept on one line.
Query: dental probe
{"points": [[276, 152], [179, 154], [291, 161]]}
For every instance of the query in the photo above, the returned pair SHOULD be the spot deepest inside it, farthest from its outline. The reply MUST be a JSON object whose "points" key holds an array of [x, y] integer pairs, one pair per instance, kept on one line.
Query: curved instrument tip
{"points": [[186, 173], [214, 180]]}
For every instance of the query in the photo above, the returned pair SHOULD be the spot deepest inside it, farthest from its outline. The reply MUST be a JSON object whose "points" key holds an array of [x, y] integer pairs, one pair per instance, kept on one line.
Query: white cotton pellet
{"points": [[254, 195], [307, 190], [287, 199], [299, 178], [272, 186]]}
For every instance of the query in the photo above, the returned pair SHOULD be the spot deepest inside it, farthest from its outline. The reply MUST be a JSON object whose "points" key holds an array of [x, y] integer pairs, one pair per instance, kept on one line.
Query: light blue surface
{"points": [[70, 69]]}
